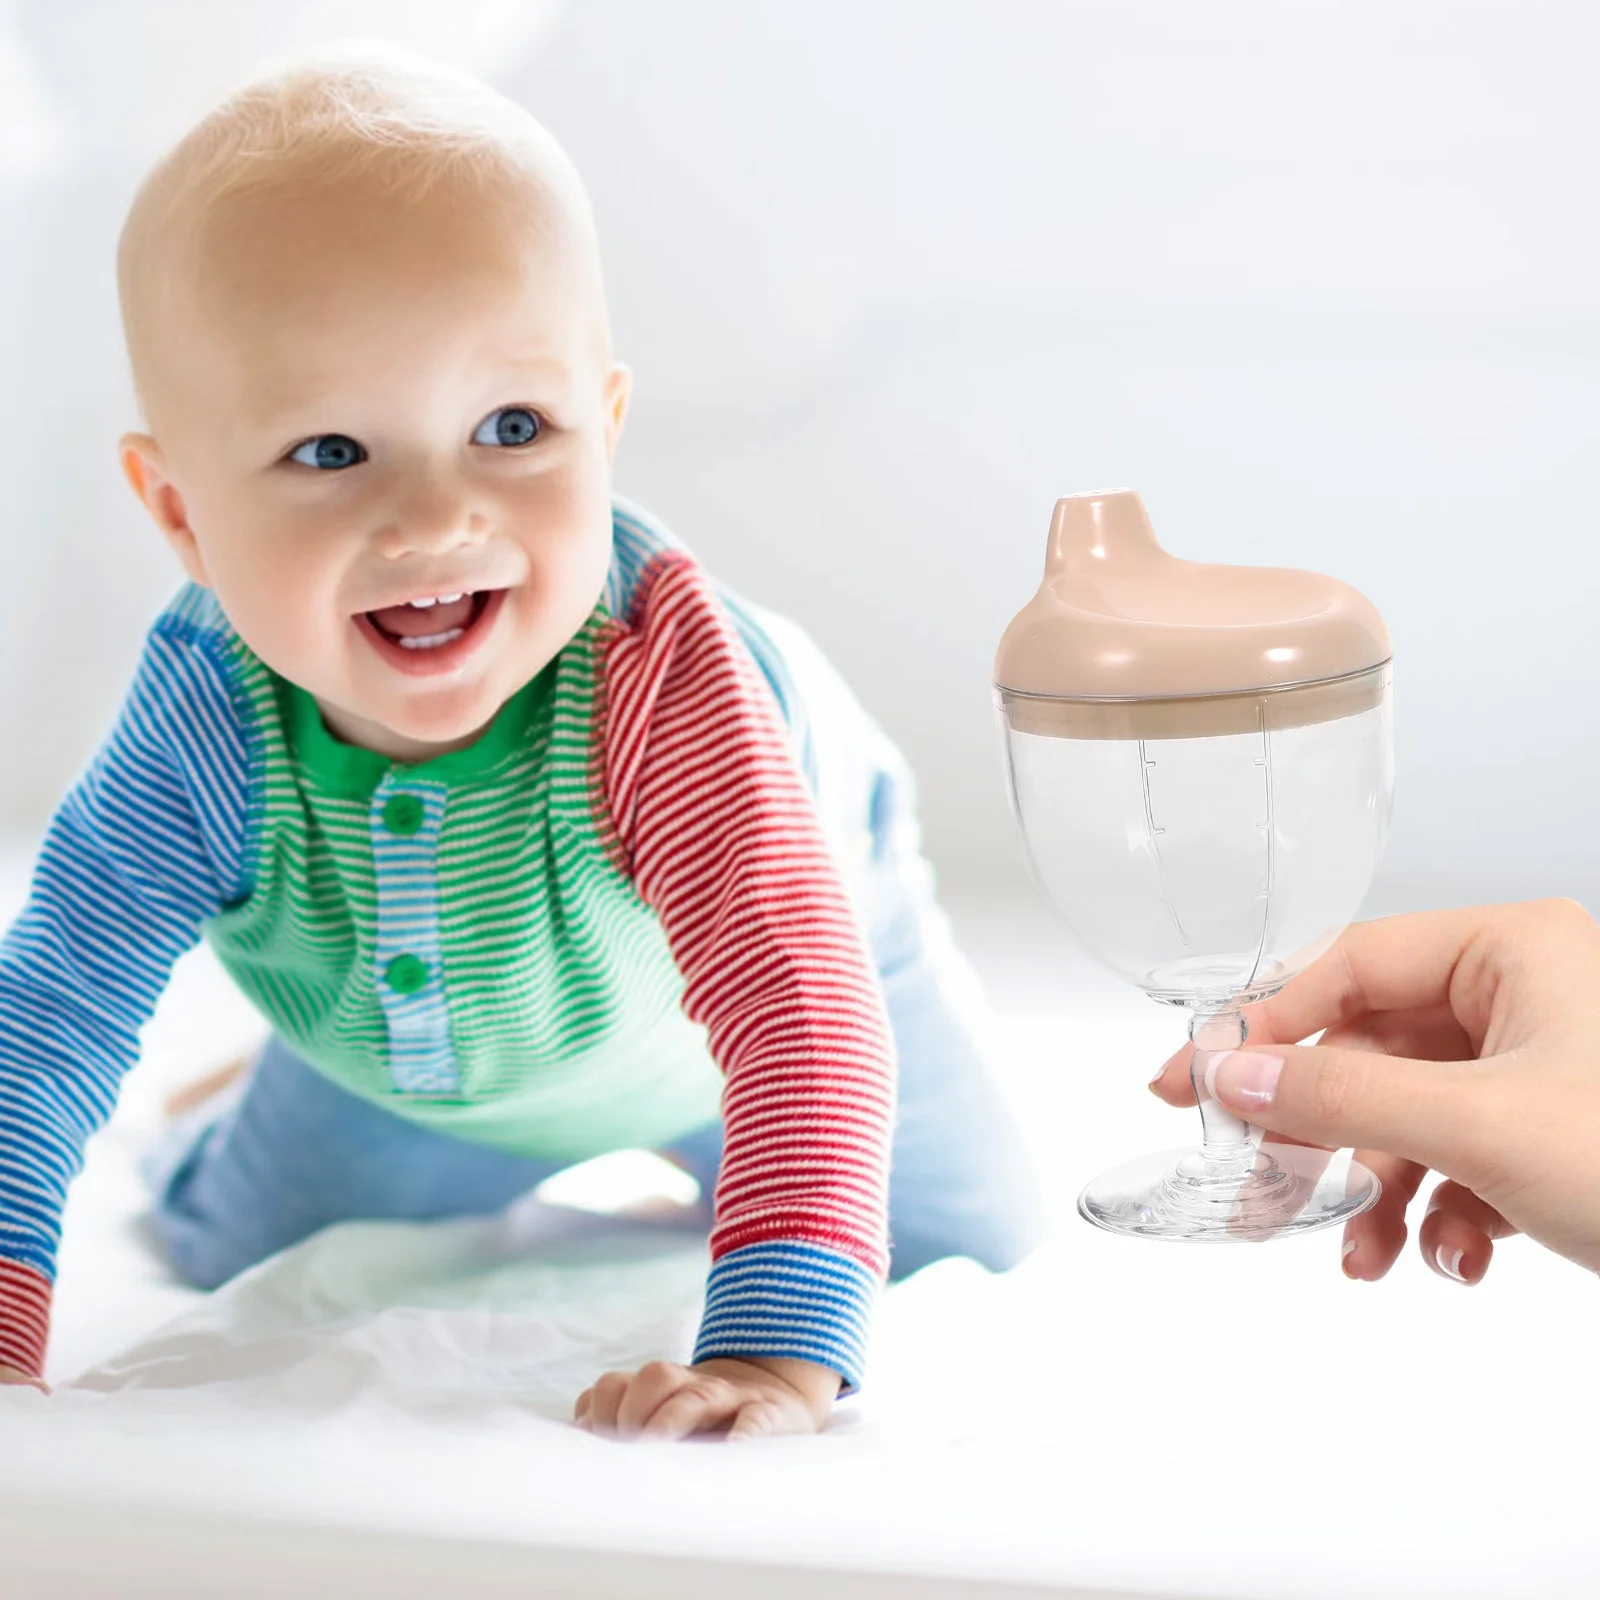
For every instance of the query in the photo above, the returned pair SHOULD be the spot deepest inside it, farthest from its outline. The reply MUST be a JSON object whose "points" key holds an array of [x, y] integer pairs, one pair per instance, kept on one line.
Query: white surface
{"points": [[1181, 1421], [1320, 279]]}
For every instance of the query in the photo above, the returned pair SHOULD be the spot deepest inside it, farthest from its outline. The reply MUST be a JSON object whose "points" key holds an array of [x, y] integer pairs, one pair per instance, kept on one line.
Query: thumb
{"points": [[1435, 1112]]}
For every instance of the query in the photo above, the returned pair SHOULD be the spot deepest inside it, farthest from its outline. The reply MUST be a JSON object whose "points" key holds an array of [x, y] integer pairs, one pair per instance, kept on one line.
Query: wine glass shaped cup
{"points": [[1207, 850]]}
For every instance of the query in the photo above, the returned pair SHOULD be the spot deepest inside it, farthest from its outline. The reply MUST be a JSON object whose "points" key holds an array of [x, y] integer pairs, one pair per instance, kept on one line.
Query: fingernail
{"points": [[1243, 1078], [1450, 1265], [1160, 1073], [1350, 1247]]}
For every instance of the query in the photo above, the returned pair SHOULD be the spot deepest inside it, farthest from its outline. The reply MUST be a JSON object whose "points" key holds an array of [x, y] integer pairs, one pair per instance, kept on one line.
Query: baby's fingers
{"points": [[1458, 1233], [758, 1417], [702, 1405], [597, 1406], [650, 1388]]}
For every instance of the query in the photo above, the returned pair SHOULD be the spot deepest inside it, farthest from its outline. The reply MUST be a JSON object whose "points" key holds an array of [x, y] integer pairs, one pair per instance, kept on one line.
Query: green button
{"points": [[403, 813], [407, 974]]}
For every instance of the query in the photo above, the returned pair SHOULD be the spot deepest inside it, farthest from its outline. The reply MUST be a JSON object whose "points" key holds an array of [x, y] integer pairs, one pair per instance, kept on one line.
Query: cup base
{"points": [[1265, 1193]]}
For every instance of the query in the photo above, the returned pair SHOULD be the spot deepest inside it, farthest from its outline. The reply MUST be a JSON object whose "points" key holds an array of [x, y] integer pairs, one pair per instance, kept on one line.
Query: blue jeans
{"points": [[293, 1153]]}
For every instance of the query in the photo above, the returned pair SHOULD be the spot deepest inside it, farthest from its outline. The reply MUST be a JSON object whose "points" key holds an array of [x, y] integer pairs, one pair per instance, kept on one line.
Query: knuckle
{"points": [[1335, 1086], [1491, 1172], [1558, 909], [659, 1372], [1553, 919]]}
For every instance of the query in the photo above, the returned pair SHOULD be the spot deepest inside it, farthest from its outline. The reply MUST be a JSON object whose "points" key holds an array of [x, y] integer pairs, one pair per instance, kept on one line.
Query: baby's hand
{"points": [[16, 1376], [739, 1399]]}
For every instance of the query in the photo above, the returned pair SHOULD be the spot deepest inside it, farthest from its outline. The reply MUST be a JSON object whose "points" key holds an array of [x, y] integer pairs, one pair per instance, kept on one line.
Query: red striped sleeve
{"points": [[719, 831], [24, 1317]]}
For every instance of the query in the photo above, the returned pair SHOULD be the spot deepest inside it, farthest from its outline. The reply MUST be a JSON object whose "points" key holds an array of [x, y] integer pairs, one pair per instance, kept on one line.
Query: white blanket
{"points": [[1115, 1415]]}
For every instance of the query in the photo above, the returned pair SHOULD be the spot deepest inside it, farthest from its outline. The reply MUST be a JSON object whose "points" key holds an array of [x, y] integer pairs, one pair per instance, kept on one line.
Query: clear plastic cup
{"points": [[1207, 851]]}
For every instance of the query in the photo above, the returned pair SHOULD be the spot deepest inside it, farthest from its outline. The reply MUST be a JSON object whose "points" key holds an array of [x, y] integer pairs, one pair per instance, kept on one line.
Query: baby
{"points": [[530, 842]]}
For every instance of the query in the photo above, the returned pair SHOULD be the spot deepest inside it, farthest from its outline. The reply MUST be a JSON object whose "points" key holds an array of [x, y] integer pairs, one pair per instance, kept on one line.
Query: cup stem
{"points": [[1225, 1138], [1235, 1186]]}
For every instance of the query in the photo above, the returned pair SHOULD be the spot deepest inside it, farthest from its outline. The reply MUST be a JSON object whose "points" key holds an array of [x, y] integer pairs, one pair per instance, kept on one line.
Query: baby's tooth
{"points": [[431, 641], [448, 599], [422, 605]]}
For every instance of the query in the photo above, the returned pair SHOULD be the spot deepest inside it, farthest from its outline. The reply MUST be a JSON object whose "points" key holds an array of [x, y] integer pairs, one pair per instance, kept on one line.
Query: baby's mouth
{"points": [[433, 635], [430, 624]]}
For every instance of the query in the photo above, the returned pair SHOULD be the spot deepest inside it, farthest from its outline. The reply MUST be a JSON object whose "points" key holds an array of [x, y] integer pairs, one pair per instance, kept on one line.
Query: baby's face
{"points": [[384, 441]]}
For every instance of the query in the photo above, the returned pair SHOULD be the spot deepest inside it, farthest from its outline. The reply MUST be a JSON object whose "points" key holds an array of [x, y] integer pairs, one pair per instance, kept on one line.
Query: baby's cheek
{"points": [[564, 526], [563, 509], [283, 605]]}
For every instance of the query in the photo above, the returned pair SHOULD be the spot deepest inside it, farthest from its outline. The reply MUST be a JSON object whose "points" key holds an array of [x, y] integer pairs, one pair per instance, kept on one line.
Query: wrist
{"points": [[793, 1301], [817, 1386]]}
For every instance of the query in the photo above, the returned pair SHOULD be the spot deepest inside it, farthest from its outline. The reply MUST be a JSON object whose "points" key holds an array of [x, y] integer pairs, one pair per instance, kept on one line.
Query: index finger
{"points": [[1404, 963]]}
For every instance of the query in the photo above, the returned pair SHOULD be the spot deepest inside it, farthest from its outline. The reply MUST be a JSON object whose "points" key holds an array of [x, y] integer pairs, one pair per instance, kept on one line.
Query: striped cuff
{"points": [[24, 1317], [783, 1298]]}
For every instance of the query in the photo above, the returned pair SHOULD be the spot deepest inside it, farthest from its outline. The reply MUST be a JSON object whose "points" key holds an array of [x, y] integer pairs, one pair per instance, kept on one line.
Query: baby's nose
{"points": [[430, 522]]}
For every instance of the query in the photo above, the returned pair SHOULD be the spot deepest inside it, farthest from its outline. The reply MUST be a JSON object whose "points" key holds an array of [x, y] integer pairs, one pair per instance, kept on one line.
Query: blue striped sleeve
{"points": [[784, 1298], [149, 843]]}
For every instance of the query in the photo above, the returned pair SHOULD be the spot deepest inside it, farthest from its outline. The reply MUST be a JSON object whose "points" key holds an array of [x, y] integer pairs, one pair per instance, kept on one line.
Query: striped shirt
{"points": [[611, 915]]}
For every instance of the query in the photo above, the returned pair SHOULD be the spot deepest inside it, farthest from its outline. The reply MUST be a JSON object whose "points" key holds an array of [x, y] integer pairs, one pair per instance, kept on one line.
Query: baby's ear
{"points": [[143, 467], [619, 389]]}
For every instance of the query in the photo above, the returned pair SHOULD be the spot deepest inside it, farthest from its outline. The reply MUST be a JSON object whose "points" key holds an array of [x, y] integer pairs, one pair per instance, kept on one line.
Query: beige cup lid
{"points": [[1117, 618]]}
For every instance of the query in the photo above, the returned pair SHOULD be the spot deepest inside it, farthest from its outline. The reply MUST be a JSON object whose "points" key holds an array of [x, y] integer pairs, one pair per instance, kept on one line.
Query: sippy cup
{"points": [[1200, 759]]}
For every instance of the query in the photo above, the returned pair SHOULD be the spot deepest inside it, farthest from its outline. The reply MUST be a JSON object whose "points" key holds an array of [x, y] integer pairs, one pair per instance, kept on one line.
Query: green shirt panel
{"points": [[564, 1003]]}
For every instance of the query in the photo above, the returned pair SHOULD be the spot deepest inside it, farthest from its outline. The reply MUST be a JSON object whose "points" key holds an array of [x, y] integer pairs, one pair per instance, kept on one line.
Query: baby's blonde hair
{"points": [[360, 112]]}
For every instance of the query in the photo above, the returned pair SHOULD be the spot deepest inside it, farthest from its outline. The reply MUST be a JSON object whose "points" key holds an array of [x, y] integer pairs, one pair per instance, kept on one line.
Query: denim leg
{"points": [[293, 1153], [961, 1181]]}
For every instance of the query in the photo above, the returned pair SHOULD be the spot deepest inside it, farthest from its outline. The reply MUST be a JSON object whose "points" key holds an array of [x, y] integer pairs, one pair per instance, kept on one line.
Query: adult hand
{"points": [[1463, 1041], [739, 1399]]}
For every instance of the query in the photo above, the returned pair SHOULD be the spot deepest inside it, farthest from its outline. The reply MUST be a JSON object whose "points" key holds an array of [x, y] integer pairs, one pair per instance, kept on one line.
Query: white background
{"points": [[1322, 281]]}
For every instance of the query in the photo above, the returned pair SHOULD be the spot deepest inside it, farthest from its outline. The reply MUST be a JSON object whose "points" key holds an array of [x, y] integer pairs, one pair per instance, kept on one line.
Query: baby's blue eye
{"points": [[509, 426], [332, 452]]}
